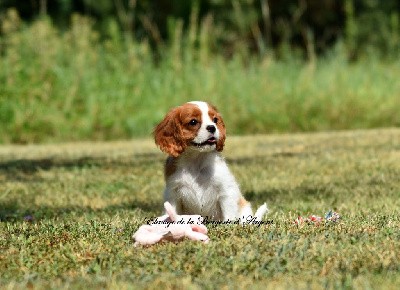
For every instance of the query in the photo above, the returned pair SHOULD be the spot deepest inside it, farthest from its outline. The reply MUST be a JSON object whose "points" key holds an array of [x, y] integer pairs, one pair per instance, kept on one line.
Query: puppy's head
{"points": [[195, 125]]}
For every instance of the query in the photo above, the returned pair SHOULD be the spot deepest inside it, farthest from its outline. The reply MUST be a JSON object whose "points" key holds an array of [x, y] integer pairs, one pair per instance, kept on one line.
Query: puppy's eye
{"points": [[215, 120], [193, 122]]}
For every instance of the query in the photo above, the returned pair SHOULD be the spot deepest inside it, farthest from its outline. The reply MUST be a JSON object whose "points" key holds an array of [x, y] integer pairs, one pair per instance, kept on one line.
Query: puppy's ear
{"points": [[222, 133], [168, 134]]}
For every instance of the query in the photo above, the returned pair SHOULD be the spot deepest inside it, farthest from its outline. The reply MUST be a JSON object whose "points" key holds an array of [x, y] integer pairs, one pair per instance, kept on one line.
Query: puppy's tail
{"points": [[261, 211], [171, 212]]}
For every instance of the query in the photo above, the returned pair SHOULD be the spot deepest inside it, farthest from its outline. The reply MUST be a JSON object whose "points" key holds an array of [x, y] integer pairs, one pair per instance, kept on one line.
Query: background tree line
{"points": [[305, 27]]}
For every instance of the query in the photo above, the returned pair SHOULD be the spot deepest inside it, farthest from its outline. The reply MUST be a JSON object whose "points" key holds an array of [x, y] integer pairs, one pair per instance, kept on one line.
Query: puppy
{"points": [[197, 177]]}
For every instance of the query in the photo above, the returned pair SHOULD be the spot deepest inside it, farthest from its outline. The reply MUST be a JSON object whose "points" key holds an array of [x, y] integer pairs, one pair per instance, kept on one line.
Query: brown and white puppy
{"points": [[197, 177]]}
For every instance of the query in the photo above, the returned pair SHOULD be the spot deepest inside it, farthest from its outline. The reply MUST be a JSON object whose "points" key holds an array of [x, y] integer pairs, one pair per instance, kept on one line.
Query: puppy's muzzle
{"points": [[211, 129]]}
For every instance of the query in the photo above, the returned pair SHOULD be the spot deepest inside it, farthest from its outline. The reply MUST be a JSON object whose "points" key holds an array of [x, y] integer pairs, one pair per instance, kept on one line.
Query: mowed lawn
{"points": [[68, 212]]}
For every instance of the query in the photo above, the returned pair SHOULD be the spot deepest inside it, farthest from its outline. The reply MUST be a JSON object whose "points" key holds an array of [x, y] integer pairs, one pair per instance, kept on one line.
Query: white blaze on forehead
{"points": [[203, 106], [203, 134]]}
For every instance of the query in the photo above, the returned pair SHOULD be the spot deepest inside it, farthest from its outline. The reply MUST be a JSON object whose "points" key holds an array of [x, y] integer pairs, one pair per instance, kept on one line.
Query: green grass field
{"points": [[67, 214]]}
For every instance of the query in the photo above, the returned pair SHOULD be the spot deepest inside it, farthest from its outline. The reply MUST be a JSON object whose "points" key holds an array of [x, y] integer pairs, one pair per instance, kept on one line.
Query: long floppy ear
{"points": [[167, 134], [222, 135], [222, 130]]}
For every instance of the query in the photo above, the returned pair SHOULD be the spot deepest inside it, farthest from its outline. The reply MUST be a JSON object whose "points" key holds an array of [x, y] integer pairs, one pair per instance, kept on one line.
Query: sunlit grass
{"points": [[68, 211]]}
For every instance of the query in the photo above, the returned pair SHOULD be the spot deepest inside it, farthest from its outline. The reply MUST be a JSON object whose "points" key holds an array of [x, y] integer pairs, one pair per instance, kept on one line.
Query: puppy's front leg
{"points": [[174, 200], [229, 208]]}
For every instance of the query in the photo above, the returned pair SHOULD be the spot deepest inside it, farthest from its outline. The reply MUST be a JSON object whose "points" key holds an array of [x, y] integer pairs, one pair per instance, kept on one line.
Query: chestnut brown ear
{"points": [[222, 134], [167, 134], [221, 128]]}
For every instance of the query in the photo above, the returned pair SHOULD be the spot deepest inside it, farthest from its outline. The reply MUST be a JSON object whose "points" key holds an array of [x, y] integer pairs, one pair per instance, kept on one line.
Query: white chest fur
{"points": [[199, 184]]}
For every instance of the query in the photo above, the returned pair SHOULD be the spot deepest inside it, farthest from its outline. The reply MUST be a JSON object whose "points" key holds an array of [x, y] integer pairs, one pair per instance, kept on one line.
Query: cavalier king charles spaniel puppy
{"points": [[198, 180]]}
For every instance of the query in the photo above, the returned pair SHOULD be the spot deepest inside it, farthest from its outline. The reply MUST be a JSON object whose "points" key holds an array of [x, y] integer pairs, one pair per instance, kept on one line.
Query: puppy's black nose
{"points": [[211, 128]]}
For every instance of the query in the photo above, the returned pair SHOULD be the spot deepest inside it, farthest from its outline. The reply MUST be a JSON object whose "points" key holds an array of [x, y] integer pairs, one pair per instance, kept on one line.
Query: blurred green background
{"points": [[99, 70]]}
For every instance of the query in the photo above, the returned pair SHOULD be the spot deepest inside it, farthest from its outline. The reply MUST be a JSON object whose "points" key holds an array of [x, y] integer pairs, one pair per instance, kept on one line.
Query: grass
{"points": [[73, 85], [68, 211]]}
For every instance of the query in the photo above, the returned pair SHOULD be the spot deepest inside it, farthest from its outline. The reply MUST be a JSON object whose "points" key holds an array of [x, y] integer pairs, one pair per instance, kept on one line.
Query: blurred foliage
{"points": [[76, 85], [83, 70], [282, 27]]}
